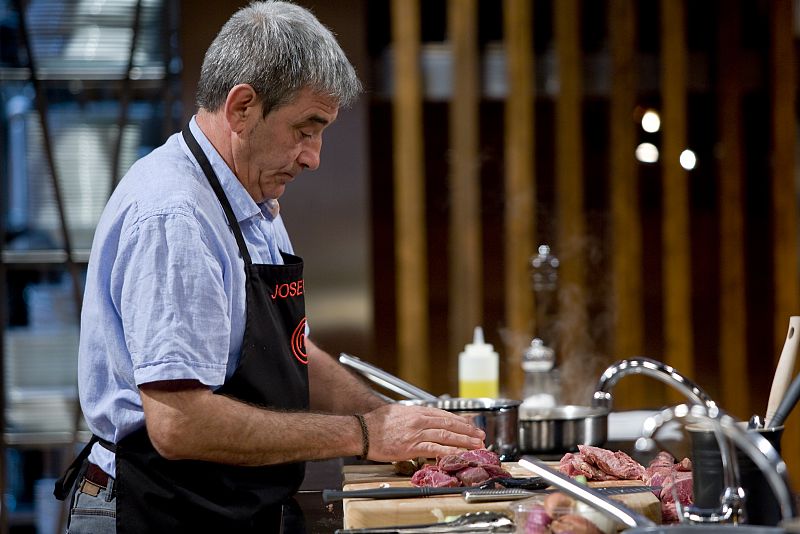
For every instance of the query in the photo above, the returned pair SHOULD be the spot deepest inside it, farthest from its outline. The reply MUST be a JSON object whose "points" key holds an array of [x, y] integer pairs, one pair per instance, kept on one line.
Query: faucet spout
{"points": [[655, 369]]}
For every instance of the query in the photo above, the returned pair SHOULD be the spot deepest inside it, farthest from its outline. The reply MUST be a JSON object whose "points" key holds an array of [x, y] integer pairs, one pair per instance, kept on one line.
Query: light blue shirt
{"points": [[165, 287]]}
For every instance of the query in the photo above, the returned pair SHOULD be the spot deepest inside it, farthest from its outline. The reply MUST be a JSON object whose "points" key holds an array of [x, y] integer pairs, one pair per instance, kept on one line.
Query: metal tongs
{"points": [[384, 379], [478, 522]]}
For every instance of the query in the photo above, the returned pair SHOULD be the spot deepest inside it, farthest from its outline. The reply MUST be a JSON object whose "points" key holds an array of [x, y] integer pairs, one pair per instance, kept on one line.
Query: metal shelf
{"points": [[83, 72], [32, 258]]}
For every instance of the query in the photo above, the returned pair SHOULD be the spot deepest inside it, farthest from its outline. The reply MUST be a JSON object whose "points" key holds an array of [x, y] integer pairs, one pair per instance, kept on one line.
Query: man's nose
{"points": [[309, 158]]}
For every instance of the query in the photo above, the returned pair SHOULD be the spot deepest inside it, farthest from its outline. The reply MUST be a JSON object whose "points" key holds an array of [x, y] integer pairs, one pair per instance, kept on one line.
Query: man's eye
{"points": [[306, 135]]}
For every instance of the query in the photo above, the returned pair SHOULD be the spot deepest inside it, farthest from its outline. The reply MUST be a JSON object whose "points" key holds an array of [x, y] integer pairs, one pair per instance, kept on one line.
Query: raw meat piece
{"points": [[567, 465], [573, 465], [468, 468], [452, 463], [473, 476], [617, 464], [660, 467], [480, 457], [681, 482], [669, 478], [495, 470], [662, 459], [591, 472], [432, 476]]}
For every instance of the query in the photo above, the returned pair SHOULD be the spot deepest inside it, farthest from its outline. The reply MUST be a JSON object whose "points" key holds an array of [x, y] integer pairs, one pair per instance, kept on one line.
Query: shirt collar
{"points": [[243, 205]]}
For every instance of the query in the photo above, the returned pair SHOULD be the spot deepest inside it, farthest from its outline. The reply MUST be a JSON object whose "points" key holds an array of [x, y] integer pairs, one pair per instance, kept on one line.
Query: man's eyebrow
{"points": [[318, 119]]}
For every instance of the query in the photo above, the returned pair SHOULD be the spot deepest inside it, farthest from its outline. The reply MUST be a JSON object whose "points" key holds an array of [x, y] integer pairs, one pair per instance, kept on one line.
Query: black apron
{"points": [[159, 495]]}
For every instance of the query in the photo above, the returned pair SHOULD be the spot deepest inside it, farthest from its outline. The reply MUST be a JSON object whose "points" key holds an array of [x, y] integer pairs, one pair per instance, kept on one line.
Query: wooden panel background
{"points": [[410, 238], [465, 250], [697, 268], [519, 214]]}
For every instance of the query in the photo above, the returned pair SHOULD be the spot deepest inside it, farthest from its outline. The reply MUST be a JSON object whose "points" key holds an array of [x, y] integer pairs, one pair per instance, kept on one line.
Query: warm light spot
{"points": [[688, 160], [651, 121], [647, 153]]}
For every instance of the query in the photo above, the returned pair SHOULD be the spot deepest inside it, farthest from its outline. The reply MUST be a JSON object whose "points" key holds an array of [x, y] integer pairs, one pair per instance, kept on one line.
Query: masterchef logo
{"points": [[299, 342], [290, 289]]}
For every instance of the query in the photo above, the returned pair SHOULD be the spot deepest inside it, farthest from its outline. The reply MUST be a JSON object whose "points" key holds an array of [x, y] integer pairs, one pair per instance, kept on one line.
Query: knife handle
{"points": [[329, 495]]}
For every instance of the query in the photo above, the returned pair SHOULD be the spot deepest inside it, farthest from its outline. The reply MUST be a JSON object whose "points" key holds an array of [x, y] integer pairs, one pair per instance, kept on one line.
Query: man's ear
{"points": [[242, 102]]}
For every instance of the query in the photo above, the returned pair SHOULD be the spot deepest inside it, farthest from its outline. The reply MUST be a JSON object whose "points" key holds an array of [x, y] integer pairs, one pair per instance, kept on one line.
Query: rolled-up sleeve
{"points": [[170, 293]]}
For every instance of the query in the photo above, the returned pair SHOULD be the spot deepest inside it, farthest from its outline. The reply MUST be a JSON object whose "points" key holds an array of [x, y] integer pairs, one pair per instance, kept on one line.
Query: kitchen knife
{"points": [[471, 494], [783, 373]]}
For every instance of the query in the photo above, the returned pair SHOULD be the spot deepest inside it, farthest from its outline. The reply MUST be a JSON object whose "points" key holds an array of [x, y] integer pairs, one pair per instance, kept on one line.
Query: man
{"points": [[196, 379]]}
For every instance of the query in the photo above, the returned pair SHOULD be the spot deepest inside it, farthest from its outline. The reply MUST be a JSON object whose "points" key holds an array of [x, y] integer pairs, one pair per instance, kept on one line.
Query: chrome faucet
{"points": [[653, 368], [757, 447], [670, 376]]}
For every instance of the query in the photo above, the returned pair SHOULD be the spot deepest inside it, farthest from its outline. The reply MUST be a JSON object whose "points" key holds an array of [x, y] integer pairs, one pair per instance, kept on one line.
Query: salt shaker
{"points": [[541, 389]]}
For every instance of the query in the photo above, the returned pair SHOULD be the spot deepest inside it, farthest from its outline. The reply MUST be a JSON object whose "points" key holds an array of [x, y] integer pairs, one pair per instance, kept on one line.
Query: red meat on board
{"points": [[617, 464], [674, 479], [433, 477], [452, 463], [473, 476], [470, 468], [480, 457]]}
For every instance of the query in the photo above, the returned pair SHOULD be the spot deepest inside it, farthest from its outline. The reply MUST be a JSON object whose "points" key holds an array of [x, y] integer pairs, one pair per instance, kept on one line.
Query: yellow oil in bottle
{"points": [[478, 388]]}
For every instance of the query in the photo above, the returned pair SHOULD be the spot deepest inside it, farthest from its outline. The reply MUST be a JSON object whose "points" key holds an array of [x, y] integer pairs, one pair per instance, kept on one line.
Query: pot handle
{"points": [[384, 379]]}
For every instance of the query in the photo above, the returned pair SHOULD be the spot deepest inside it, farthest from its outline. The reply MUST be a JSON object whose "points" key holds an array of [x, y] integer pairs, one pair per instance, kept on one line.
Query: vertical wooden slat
{"points": [[626, 221], [784, 196], [573, 345], [519, 216], [466, 296], [732, 301], [676, 244], [409, 196]]}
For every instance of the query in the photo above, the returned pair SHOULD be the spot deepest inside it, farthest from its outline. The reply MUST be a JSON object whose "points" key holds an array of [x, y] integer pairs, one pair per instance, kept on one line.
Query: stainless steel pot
{"points": [[561, 428], [499, 418]]}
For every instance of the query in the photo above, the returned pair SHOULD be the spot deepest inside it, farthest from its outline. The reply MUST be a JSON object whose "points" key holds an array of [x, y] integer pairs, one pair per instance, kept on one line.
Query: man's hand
{"points": [[399, 432]]}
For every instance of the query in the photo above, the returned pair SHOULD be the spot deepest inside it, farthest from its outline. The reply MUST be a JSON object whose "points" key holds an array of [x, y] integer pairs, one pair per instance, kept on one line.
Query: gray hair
{"points": [[277, 48]]}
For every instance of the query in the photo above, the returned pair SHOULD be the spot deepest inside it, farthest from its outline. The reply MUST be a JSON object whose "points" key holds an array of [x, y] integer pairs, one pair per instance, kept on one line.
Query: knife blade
{"points": [[475, 494], [508, 494]]}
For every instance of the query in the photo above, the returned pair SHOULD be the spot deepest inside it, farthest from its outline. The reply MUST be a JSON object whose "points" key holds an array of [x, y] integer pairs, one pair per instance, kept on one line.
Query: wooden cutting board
{"points": [[364, 513]]}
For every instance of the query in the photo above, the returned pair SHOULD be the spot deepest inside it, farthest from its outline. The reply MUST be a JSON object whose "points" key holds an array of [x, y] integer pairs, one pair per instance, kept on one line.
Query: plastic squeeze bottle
{"points": [[478, 369]]}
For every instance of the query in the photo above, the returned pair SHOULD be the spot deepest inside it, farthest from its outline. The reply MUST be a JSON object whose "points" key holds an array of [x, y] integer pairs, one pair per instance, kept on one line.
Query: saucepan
{"points": [[499, 418], [560, 429]]}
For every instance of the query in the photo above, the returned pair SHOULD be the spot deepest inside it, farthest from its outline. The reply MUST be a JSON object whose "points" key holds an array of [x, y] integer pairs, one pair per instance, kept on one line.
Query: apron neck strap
{"points": [[211, 176]]}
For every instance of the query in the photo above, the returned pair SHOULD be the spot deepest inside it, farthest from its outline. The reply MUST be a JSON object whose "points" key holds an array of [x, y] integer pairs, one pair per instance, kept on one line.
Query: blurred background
{"points": [[615, 177]]}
